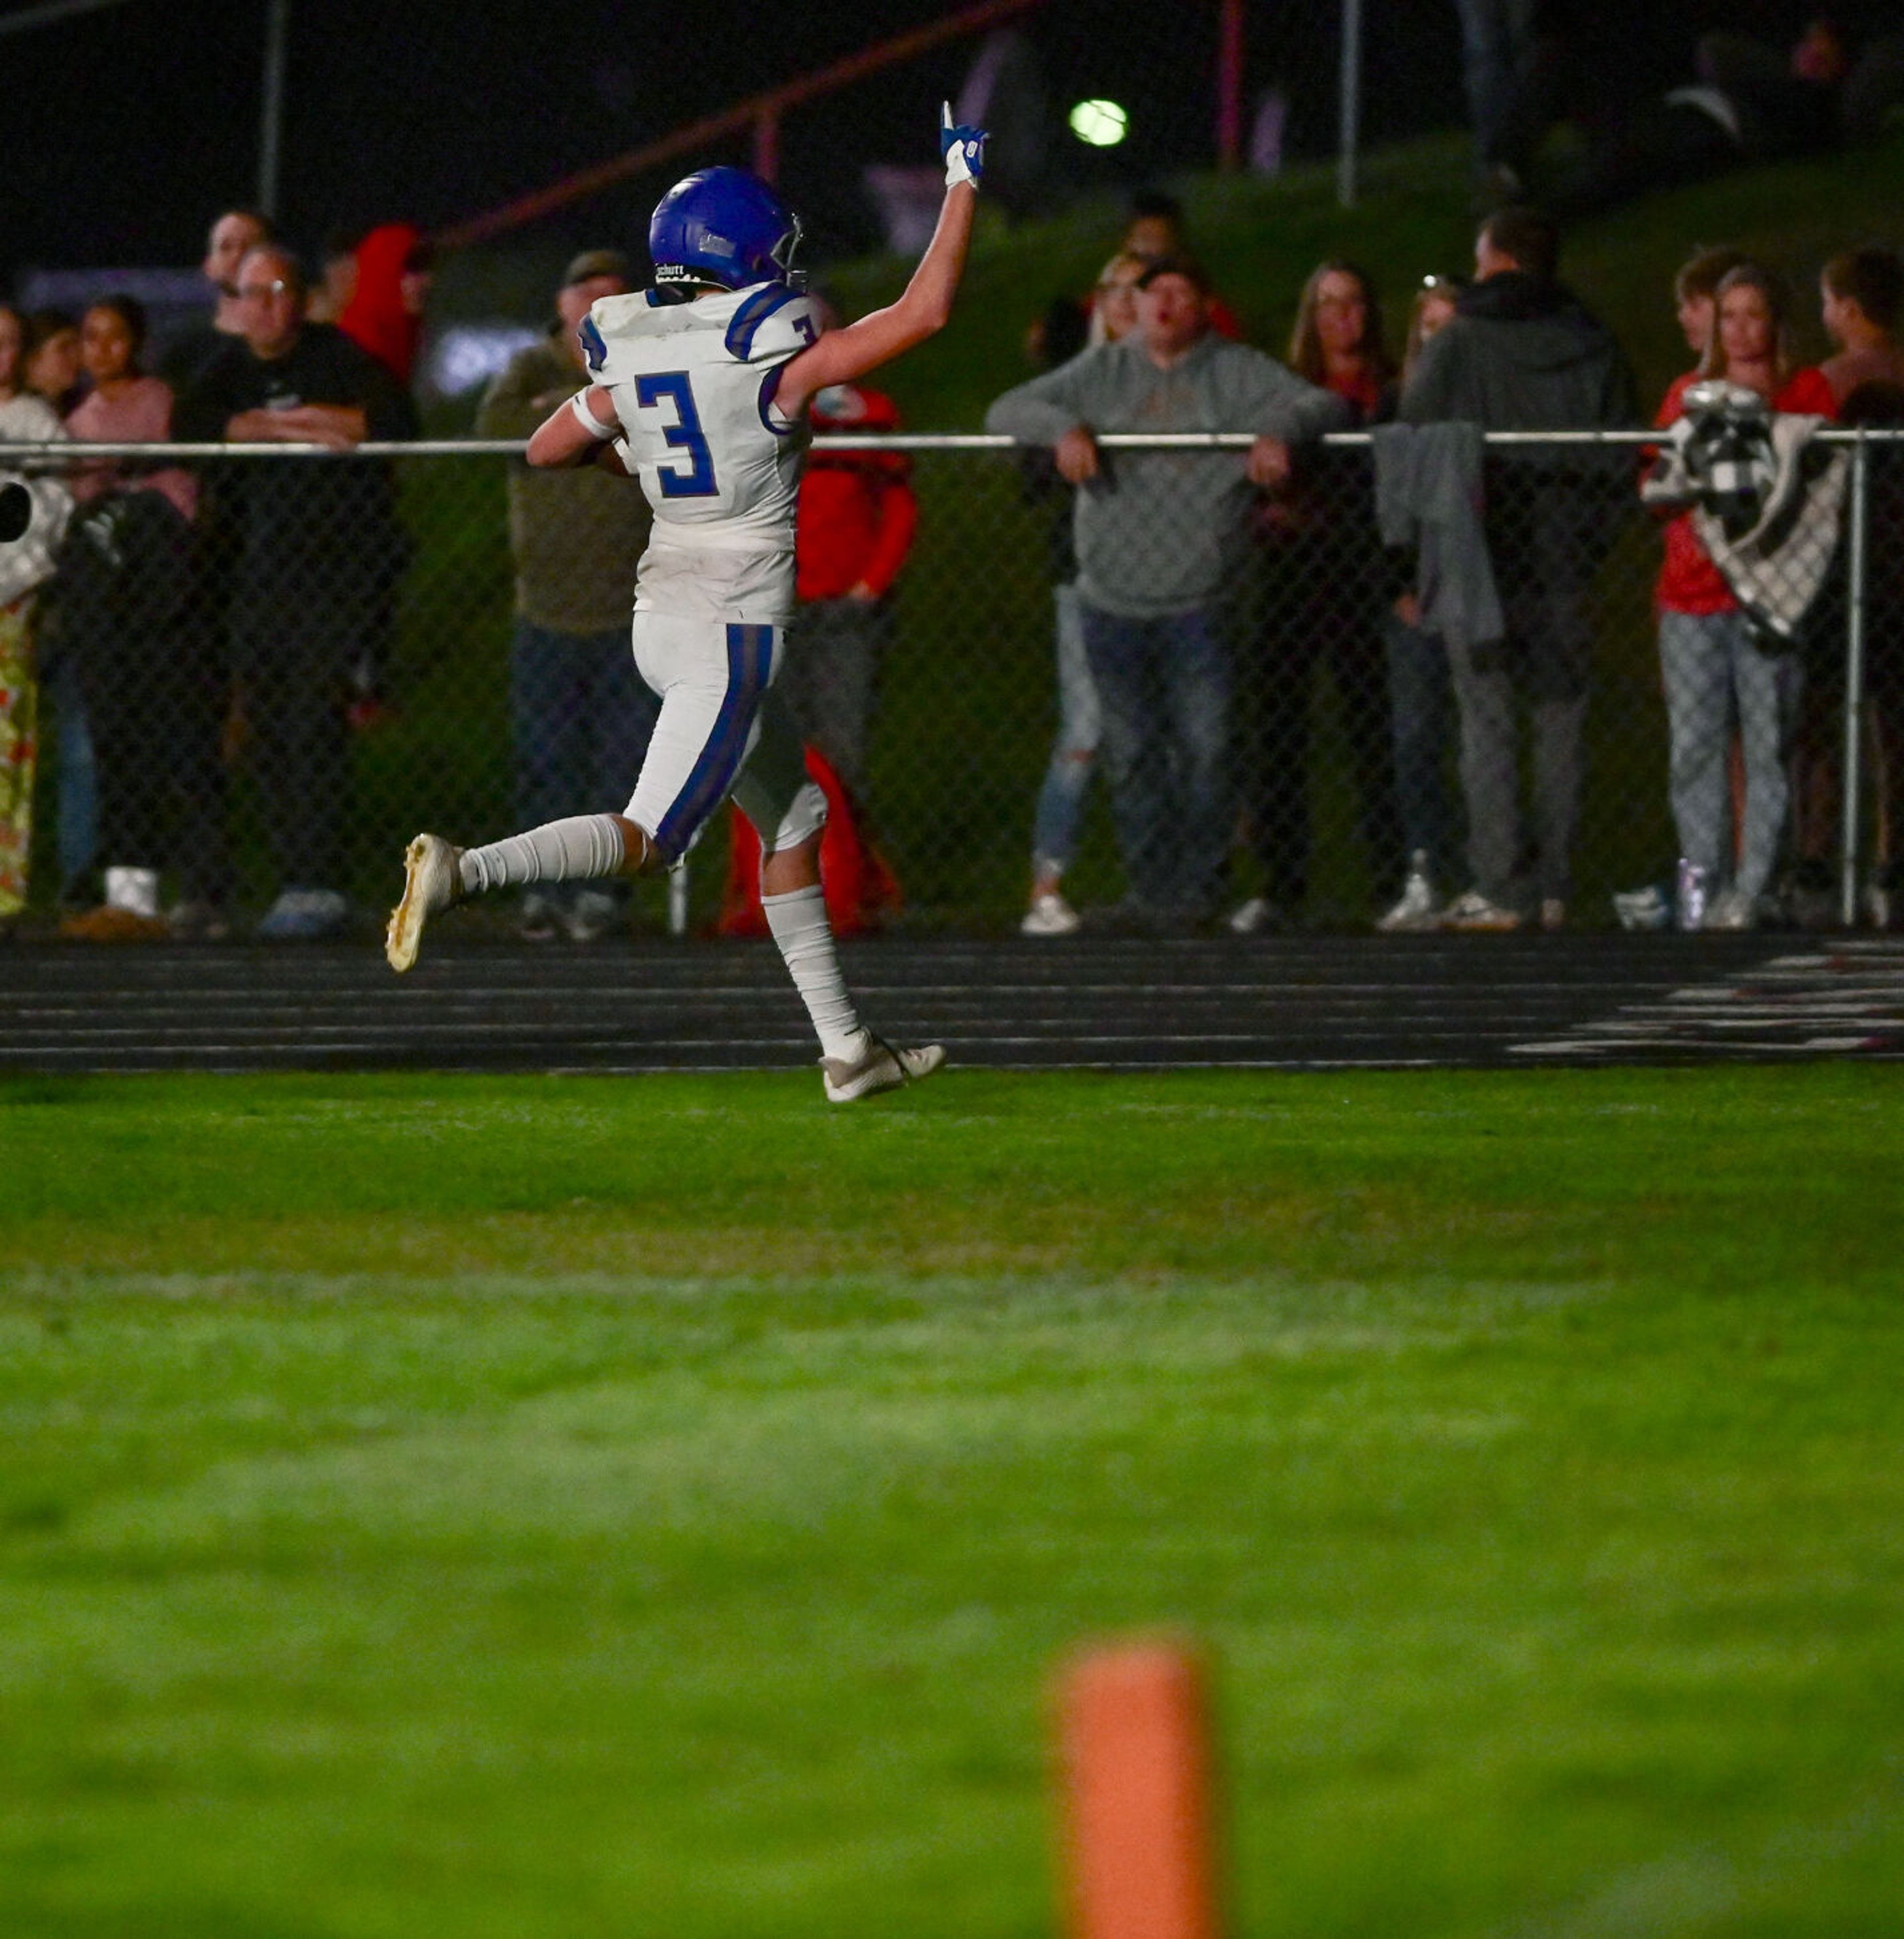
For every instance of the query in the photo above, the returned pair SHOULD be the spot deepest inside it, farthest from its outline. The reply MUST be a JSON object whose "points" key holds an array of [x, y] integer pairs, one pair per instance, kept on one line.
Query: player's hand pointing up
{"points": [[962, 149]]}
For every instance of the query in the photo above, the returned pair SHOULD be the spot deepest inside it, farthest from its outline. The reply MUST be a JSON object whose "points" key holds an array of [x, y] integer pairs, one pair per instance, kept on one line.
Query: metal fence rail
{"points": [[363, 677]]}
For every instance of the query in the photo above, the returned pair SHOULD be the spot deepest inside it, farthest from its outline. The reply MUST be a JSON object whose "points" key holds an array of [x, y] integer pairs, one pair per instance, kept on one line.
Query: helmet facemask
{"points": [[784, 251]]}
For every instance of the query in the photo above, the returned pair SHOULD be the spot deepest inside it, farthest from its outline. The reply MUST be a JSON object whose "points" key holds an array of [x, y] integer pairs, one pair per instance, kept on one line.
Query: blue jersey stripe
{"points": [[752, 313], [749, 661], [769, 385]]}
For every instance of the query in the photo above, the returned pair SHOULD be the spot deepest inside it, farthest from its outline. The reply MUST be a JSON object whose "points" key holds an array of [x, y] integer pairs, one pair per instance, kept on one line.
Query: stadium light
{"points": [[1101, 124]]}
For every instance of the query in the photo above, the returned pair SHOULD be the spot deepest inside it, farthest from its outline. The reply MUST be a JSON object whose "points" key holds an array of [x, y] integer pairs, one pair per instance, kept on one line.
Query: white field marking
{"points": [[1808, 1004]]}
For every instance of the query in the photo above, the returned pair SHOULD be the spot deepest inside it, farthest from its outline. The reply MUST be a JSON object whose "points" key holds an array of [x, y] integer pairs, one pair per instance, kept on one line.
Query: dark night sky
{"points": [[125, 130]]}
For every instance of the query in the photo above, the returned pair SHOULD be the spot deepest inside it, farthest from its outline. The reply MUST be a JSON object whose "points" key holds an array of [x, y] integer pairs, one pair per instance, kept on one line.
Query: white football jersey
{"points": [[691, 382]]}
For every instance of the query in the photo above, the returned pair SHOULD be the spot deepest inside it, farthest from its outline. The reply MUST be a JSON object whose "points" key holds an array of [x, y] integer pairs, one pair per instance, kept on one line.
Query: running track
{"points": [[1289, 1003]]}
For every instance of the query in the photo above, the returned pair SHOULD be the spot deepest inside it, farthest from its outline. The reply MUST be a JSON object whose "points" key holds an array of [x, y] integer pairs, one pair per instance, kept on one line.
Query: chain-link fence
{"points": [[268, 672]]}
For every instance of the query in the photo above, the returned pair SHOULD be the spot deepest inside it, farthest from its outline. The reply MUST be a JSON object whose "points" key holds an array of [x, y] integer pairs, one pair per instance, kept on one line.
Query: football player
{"points": [[700, 390]]}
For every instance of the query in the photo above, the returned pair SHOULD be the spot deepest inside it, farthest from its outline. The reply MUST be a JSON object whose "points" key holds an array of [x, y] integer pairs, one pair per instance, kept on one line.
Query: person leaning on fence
{"points": [[1715, 666], [1161, 535], [1326, 585], [1065, 329], [1524, 355], [317, 544], [26, 565], [124, 582], [581, 714], [1420, 694]]}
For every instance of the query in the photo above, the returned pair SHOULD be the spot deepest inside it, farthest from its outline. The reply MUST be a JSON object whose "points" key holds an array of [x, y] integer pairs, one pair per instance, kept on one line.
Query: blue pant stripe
{"points": [[750, 659]]}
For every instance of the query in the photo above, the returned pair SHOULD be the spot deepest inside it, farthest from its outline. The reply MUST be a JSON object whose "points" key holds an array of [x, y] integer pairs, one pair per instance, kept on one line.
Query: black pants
{"points": [[153, 688], [1315, 611], [293, 658]]}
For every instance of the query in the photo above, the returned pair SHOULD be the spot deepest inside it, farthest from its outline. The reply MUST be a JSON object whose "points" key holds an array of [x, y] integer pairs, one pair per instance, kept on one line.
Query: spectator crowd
{"points": [[185, 621], [1448, 586]]}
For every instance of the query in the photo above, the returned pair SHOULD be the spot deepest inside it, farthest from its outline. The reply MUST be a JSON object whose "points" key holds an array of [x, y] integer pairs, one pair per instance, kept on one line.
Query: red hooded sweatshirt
{"points": [[857, 512], [375, 318]]}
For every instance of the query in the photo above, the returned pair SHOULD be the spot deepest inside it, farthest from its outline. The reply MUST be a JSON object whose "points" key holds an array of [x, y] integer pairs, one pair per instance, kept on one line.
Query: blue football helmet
{"points": [[723, 225]]}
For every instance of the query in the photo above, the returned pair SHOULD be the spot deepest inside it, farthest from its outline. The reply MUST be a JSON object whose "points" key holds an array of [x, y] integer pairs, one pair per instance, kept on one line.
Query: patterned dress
{"points": [[24, 565]]}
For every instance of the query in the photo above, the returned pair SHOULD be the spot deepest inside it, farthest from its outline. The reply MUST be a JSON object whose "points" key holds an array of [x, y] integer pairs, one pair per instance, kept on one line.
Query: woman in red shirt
{"points": [[1714, 666]]}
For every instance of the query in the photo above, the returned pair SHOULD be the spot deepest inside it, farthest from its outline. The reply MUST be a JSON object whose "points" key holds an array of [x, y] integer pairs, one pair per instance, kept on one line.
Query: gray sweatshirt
{"points": [[1159, 532]]}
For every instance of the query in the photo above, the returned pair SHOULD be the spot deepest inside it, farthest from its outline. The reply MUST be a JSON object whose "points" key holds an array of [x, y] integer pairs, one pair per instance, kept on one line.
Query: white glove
{"points": [[962, 149]]}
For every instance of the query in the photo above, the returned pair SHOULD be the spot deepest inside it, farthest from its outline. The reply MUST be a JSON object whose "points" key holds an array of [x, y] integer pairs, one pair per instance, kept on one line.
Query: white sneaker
{"points": [[537, 919], [884, 1067], [1474, 912], [1644, 908], [1731, 908], [1420, 907], [1049, 914], [590, 916], [1248, 919], [134, 889], [432, 881]]}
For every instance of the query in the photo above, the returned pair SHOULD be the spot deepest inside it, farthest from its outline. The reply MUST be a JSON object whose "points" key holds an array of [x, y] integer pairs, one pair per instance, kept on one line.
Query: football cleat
{"points": [[884, 1067], [432, 881]]}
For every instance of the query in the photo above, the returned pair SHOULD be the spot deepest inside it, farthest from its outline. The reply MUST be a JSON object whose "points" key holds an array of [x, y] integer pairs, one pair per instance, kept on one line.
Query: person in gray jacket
{"points": [[1522, 354], [1160, 537]]}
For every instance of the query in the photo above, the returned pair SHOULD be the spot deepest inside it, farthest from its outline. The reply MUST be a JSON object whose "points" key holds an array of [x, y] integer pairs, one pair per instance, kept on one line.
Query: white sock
{"points": [[557, 851], [798, 921]]}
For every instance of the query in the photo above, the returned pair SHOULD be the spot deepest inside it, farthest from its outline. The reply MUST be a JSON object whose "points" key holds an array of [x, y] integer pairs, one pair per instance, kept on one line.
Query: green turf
{"points": [[521, 1507]]}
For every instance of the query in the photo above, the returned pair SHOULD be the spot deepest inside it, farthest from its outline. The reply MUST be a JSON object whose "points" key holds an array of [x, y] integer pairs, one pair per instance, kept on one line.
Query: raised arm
{"points": [[842, 355]]}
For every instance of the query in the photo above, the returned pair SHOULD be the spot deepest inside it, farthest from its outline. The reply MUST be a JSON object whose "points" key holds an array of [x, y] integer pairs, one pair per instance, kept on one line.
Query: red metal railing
{"points": [[762, 112]]}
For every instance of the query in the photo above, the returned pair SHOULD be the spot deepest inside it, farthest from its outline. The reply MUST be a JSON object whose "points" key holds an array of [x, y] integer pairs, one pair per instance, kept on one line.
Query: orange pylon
{"points": [[1134, 1745]]}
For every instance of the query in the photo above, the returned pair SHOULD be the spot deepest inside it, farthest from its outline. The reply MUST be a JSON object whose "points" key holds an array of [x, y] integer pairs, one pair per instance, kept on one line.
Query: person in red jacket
{"points": [[857, 518], [385, 314], [1712, 666]]}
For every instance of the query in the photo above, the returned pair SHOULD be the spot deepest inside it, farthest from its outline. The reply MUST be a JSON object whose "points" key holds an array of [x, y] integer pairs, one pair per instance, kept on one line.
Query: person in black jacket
{"points": [[316, 549], [1523, 354]]}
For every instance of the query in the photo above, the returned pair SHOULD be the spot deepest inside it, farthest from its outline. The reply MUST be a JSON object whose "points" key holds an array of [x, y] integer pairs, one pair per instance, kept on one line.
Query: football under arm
{"points": [[842, 355]]}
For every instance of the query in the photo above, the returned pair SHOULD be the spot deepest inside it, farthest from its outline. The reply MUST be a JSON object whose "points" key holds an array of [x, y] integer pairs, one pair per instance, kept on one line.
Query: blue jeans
{"points": [[77, 816], [582, 716], [1074, 751], [1422, 706], [1164, 685]]}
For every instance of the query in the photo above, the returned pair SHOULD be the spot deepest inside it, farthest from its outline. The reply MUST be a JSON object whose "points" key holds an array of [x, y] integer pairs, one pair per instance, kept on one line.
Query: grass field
{"points": [[487, 1507]]}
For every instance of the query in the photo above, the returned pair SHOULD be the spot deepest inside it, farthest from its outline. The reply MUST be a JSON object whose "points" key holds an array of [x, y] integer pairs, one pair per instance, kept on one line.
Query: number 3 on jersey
{"points": [[684, 433]]}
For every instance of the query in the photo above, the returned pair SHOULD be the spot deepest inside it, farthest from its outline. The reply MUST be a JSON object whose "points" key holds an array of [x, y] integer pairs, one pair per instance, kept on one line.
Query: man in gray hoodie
{"points": [[1522, 354], [1160, 539]]}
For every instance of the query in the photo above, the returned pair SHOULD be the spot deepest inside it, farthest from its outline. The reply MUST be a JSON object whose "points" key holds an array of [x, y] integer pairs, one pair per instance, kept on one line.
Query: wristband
{"points": [[589, 422]]}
